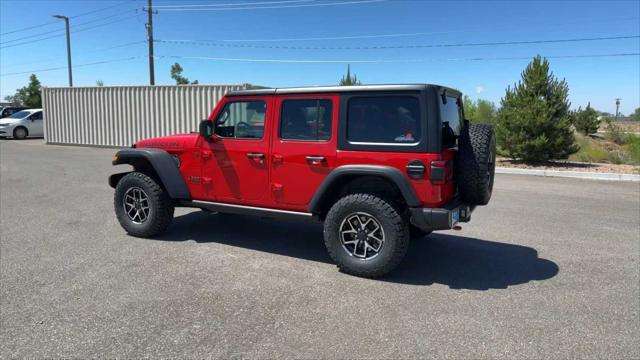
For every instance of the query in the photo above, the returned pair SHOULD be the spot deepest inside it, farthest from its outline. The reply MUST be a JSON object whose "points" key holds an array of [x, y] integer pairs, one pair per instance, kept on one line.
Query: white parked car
{"points": [[22, 124]]}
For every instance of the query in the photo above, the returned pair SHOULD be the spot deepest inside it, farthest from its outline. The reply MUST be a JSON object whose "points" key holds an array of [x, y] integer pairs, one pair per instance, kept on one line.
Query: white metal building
{"points": [[121, 115]]}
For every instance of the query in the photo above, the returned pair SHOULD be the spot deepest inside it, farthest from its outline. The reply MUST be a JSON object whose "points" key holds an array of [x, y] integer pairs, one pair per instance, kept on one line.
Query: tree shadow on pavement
{"points": [[456, 261]]}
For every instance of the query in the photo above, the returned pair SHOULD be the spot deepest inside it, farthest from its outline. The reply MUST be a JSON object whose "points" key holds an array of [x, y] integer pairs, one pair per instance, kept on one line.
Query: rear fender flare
{"points": [[162, 163], [336, 175]]}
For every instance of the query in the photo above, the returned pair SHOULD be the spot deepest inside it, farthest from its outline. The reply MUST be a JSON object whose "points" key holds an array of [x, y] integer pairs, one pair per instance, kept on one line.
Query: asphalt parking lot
{"points": [[549, 269]]}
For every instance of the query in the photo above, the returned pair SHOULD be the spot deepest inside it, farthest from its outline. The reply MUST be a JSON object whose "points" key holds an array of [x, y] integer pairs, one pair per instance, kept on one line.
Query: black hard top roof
{"points": [[341, 89]]}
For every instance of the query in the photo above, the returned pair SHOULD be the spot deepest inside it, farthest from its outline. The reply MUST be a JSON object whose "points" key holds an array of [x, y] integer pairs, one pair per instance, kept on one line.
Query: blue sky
{"points": [[598, 80]]}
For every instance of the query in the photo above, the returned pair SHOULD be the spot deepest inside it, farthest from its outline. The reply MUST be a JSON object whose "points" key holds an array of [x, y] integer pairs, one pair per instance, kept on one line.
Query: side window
{"points": [[451, 115], [241, 120], [306, 120], [384, 119], [36, 116]]}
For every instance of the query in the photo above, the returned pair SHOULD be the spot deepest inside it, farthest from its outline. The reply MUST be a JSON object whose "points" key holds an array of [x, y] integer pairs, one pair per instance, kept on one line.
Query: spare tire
{"points": [[476, 163]]}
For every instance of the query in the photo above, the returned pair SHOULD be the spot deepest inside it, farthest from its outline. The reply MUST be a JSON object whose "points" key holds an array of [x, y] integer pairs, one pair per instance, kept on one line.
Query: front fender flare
{"points": [[390, 173], [162, 163]]}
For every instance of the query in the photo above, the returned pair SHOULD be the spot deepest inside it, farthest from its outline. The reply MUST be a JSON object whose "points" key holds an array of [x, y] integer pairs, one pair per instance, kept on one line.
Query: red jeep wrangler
{"points": [[375, 163]]}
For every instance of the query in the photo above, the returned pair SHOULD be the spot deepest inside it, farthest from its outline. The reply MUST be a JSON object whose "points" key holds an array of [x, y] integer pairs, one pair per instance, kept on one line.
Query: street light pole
{"points": [[66, 22]]}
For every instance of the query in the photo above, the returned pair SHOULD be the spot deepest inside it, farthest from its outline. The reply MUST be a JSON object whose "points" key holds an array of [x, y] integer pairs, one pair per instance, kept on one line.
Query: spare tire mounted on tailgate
{"points": [[476, 163]]}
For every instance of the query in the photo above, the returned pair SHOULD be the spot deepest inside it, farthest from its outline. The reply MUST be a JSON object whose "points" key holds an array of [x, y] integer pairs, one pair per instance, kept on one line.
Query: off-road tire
{"points": [[396, 235], [20, 133], [476, 163], [161, 206]]}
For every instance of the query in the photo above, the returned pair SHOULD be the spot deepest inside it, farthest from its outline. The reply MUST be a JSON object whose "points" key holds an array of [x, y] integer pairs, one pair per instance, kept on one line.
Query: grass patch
{"points": [[632, 147], [596, 150]]}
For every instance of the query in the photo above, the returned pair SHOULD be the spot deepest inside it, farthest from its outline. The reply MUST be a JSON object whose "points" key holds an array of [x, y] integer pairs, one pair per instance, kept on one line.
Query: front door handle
{"points": [[315, 160], [258, 156]]}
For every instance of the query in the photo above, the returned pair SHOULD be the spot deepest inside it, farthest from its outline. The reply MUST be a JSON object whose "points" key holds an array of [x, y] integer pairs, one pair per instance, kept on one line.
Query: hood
{"points": [[177, 142]]}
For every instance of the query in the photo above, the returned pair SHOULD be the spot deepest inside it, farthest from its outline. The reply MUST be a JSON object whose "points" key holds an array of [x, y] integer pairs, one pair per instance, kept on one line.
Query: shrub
{"points": [[614, 133]]}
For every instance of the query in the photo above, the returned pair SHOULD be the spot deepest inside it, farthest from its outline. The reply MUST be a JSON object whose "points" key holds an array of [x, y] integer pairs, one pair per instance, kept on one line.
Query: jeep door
{"points": [[236, 164], [303, 147]]}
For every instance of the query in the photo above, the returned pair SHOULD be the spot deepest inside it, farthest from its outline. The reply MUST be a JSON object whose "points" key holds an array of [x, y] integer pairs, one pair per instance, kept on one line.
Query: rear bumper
{"points": [[444, 218]]}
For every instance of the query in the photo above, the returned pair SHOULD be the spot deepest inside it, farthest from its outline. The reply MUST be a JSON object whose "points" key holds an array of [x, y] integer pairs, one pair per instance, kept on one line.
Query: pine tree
{"points": [[534, 122], [586, 121], [349, 80]]}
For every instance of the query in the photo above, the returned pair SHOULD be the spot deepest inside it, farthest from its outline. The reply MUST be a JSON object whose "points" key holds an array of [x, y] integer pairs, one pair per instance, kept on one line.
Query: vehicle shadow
{"points": [[456, 261]]}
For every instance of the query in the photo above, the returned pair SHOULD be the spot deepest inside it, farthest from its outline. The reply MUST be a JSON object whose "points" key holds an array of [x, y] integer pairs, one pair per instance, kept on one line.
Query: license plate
{"points": [[455, 216]]}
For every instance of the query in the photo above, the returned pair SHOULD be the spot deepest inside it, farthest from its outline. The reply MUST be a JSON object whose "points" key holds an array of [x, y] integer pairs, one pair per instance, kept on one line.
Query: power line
{"points": [[71, 17], [76, 31], [232, 4], [43, 60], [60, 30], [382, 47], [410, 34], [101, 9], [75, 66], [276, 6], [378, 61]]}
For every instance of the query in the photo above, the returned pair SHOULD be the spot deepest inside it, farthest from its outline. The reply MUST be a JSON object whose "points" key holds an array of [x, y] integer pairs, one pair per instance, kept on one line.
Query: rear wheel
{"points": [[365, 235], [142, 206], [20, 133]]}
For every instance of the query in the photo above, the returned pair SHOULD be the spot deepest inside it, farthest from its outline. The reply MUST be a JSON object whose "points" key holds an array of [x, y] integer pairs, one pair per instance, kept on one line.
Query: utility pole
{"points": [[617, 107], [66, 22], [152, 77]]}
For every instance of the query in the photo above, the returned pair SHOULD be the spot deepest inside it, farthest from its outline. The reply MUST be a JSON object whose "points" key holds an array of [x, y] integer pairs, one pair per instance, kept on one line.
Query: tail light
{"points": [[440, 171]]}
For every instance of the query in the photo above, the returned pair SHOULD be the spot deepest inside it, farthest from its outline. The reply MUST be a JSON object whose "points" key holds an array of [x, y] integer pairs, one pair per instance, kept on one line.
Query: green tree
{"points": [[176, 74], [534, 121], [586, 121], [480, 111], [636, 115], [31, 95], [348, 80], [99, 83]]}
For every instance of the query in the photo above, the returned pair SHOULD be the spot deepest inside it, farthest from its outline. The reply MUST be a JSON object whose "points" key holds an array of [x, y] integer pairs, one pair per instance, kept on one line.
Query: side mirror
{"points": [[206, 130]]}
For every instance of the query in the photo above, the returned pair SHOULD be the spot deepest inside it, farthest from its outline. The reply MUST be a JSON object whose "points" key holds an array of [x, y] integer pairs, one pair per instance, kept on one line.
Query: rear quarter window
{"points": [[383, 120], [451, 116]]}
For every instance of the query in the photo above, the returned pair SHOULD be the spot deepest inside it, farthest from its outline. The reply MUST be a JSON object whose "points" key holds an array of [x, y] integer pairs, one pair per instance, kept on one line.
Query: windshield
{"points": [[20, 115]]}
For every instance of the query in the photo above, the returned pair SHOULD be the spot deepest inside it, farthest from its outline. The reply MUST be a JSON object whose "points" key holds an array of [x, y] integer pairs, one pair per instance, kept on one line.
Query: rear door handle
{"points": [[315, 159], [255, 156]]}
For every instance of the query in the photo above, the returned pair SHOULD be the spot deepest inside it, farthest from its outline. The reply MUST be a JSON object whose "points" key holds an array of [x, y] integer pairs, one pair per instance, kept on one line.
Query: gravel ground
{"points": [[550, 268], [570, 166]]}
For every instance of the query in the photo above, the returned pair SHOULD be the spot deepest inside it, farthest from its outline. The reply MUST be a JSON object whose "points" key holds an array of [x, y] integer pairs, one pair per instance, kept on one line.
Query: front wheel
{"points": [[365, 235], [20, 133], [142, 206]]}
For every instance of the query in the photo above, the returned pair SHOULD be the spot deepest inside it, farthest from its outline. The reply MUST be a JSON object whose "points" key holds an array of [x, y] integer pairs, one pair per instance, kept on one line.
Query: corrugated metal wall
{"points": [[121, 115]]}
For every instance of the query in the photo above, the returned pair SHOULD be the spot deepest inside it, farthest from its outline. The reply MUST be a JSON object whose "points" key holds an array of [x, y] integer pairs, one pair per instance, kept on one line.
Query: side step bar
{"points": [[245, 210]]}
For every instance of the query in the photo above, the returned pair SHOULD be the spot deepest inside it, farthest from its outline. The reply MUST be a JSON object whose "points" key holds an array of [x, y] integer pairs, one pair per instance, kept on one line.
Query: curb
{"points": [[570, 174]]}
